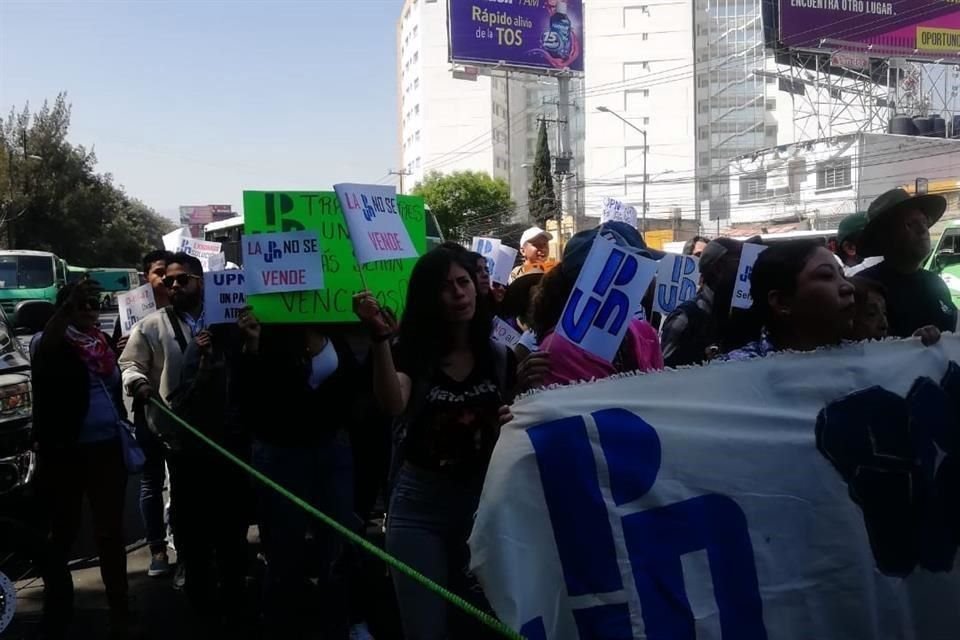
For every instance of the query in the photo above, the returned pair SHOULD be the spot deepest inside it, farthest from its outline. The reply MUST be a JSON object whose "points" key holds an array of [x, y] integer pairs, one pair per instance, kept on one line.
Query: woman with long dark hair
{"points": [[448, 386], [800, 298], [78, 408]]}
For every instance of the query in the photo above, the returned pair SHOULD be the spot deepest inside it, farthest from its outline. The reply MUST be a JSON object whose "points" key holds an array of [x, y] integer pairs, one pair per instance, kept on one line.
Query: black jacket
{"points": [[61, 394], [278, 404]]}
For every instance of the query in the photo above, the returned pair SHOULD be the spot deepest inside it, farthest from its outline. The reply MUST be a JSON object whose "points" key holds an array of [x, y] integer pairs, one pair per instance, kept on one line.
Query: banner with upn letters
{"points": [[797, 496]]}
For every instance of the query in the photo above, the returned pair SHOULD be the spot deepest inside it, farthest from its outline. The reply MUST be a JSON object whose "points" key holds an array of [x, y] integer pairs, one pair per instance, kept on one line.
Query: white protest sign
{"points": [[282, 262], [489, 248], [224, 296], [203, 251], [216, 263], [779, 504], [677, 280], [501, 274], [134, 306], [376, 230], [616, 211], [172, 241], [504, 334], [741, 290], [605, 297]]}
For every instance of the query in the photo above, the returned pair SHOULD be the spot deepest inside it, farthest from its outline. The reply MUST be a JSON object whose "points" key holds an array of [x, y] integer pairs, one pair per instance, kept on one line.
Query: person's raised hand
{"points": [[249, 328], [532, 371], [504, 415], [368, 310], [929, 335]]}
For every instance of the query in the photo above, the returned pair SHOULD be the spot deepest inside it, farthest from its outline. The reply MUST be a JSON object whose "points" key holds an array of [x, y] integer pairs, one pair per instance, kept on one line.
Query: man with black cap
{"points": [[696, 327], [898, 228]]}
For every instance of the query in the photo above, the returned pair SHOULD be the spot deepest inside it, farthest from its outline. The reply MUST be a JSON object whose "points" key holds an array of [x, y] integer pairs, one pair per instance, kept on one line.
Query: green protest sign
{"points": [[273, 211]]}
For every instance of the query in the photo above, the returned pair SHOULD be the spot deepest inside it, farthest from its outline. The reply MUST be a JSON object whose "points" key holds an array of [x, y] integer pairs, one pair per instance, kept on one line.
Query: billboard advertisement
{"points": [[910, 28], [528, 34]]}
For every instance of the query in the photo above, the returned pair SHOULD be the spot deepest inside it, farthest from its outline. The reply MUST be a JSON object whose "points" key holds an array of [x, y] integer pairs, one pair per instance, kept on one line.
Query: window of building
{"points": [[771, 105], [646, 121], [835, 174], [414, 32], [703, 81], [416, 136], [416, 83], [704, 159], [634, 17], [703, 133], [645, 36], [771, 131], [417, 163], [753, 187]]}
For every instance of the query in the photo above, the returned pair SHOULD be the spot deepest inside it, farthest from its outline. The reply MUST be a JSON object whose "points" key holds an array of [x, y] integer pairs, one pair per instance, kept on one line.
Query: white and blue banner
{"points": [[792, 497], [678, 278], [605, 298]]}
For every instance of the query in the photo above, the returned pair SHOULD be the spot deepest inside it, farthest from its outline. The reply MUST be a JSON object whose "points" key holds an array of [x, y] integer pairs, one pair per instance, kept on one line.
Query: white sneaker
{"points": [[360, 632]]}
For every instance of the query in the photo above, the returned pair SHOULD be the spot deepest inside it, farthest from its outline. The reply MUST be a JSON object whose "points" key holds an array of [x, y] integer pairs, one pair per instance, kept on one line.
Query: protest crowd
{"points": [[399, 415]]}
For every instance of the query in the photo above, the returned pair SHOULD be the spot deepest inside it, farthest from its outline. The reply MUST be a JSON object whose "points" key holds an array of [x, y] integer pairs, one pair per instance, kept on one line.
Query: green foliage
{"points": [[52, 199], [463, 200], [543, 199]]}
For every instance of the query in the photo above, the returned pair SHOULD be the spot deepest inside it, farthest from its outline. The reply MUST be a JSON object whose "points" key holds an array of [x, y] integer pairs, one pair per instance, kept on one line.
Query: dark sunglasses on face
{"points": [[181, 279]]}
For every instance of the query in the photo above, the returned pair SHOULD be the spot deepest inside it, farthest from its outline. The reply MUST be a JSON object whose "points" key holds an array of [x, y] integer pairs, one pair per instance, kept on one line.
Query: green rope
{"points": [[376, 551]]}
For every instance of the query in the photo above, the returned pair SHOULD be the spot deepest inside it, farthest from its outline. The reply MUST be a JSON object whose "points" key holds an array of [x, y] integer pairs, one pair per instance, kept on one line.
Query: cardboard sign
{"points": [[489, 248], [633, 508], [173, 240], [374, 221], [504, 334], [319, 211], [605, 297], [504, 265], [224, 296], [134, 306], [741, 291], [677, 280], [616, 211], [208, 253], [282, 262]]}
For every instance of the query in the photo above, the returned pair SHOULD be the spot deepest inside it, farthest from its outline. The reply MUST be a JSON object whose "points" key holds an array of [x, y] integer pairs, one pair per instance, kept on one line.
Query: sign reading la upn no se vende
{"points": [[272, 211]]}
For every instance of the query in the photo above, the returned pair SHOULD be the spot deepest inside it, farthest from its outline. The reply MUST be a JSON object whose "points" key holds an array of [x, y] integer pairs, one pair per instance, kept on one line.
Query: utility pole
{"points": [[643, 132], [401, 173]]}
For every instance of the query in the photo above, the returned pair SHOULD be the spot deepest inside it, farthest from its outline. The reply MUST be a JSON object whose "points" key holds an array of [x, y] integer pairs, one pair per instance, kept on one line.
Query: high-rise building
{"points": [[455, 118], [639, 68], [698, 77]]}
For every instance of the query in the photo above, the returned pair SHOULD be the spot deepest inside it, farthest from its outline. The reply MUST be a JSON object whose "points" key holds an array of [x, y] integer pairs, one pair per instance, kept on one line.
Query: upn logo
{"points": [[606, 306], [654, 540]]}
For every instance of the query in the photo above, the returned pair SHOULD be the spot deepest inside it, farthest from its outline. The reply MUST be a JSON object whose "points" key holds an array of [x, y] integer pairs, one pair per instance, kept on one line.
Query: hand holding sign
{"points": [[372, 216], [607, 293]]}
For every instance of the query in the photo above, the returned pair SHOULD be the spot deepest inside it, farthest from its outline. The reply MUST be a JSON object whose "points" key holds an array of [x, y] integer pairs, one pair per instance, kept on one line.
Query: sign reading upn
{"points": [[319, 211], [534, 34]]}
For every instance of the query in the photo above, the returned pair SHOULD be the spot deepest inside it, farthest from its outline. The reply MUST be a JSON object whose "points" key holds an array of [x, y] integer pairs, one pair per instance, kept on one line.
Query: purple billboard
{"points": [[529, 34], [910, 28]]}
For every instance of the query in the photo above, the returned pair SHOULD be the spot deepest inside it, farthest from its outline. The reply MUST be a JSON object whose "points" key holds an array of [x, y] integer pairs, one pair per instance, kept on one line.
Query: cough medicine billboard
{"points": [[530, 34], [916, 28]]}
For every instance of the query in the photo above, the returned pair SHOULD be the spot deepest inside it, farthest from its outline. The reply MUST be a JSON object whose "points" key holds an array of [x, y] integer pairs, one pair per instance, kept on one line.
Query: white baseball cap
{"points": [[532, 233]]}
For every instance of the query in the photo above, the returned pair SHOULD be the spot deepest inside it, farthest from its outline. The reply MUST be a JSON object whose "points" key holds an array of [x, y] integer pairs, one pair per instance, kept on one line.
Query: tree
{"points": [[463, 199], [543, 199], [53, 199]]}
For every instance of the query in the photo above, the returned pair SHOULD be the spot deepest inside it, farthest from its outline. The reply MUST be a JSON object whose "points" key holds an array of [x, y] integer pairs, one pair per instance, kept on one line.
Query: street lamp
{"points": [[603, 109]]}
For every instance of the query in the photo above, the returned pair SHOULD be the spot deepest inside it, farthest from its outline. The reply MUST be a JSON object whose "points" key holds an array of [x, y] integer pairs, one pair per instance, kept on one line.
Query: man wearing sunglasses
{"points": [[153, 358]]}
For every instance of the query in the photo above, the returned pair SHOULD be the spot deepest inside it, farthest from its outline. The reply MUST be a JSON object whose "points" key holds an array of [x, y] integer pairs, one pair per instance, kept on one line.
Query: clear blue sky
{"points": [[191, 102]]}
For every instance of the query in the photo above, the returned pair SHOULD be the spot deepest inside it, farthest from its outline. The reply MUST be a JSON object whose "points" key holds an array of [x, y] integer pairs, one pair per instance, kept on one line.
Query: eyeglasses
{"points": [[181, 279]]}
